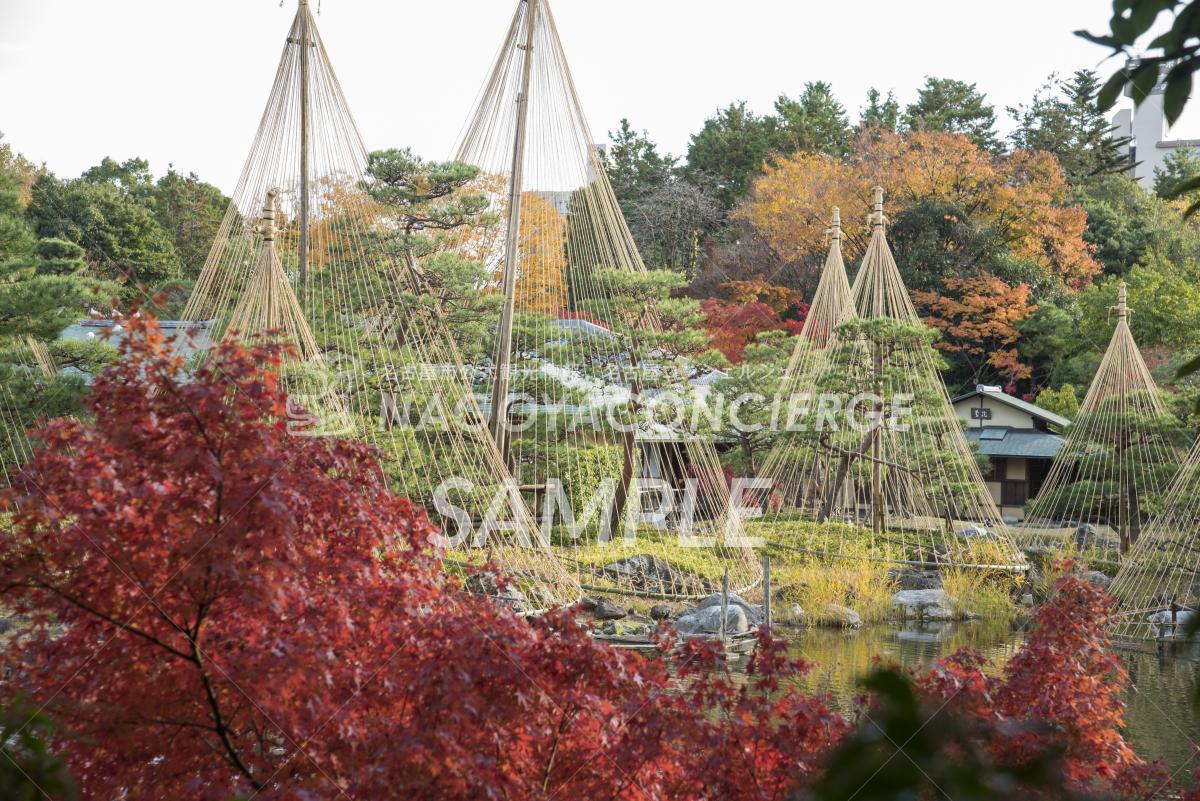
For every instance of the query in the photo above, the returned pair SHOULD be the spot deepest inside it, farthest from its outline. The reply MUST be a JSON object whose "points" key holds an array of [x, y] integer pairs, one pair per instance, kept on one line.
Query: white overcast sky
{"points": [[184, 83]]}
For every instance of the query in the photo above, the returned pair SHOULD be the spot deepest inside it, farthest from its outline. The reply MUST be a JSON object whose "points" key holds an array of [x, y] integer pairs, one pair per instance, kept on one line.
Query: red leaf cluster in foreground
{"points": [[218, 607]]}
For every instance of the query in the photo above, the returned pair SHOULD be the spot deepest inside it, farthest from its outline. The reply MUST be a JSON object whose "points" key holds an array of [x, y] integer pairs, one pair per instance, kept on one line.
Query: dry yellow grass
{"points": [[815, 584], [987, 594]]}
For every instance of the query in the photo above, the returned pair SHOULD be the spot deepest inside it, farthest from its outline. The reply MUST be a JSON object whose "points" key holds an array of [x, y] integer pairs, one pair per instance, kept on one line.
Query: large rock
{"points": [[485, 584], [651, 574], [922, 605], [976, 532], [607, 610], [913, 579], [837, 615], [662, 612], [1168, 627], [632, 627], [790, 615], [708, 621], [1087, 537], [1095, 577], [754, 613]]}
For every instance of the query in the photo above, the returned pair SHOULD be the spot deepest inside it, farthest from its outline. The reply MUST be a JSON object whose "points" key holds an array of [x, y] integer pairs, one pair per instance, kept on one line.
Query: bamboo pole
{"points": [[721, 627], [305, 46], [766, 568], [877, 445], [498, 414]]}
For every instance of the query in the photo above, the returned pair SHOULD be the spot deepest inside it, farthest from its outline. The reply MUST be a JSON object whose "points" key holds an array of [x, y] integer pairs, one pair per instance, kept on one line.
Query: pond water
{"points": [[1162, 722]]}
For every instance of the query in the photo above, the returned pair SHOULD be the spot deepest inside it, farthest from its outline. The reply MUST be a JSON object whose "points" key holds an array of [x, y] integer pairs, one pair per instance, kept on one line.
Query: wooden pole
{"points": [[1130, 523], [305, 46], [766, 568], [724, 605], [267, 224], [498, 414], [876, 446]]}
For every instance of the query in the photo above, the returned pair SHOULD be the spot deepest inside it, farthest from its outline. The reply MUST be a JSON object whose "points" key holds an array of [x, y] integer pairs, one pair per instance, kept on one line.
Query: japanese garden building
{"points": [[1019, 440]]}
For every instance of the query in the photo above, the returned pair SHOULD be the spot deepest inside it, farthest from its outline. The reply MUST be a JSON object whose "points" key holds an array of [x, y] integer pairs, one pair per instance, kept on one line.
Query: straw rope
{"points": [[583, 350], [1116, 463], [903, 484], [372, 355]]}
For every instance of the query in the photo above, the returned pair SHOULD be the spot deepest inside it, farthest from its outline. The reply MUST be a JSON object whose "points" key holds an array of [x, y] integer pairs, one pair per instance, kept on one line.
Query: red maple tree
{"points": [[213, 606], [218, 607], [747, 309], [1063, 692], [978, 318]]}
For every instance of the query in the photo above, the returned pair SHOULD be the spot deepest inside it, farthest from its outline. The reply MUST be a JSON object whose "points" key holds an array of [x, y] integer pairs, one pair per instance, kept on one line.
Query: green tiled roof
{"points": [[1016, 403], [1011, 443]]}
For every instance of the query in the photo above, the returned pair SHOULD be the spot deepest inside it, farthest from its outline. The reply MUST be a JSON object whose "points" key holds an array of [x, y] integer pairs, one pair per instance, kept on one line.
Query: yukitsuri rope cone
{"points": [[268, 303], [315, 268], [1119, 457], [1158, 585], [876, 467], [586, 335], [15, 448], [42, 357], [832, 305]]}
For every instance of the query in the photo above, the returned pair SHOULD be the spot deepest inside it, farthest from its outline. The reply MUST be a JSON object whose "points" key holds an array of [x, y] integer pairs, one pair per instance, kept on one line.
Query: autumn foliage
{"points": [[746, 309], [542, 266], [1061, 694], [1021, 199], [219, 607], [216, 607], [978, 319]]}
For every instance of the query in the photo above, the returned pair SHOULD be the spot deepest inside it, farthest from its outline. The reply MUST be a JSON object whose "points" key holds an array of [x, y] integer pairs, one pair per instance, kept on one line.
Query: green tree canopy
{"points": [[190, 211], [953, 106], [1180, 165], [1064, 119], [121, 235], [814, 123], [1126, 223], [426, 203], [635, 167], [754, 385], [668, 214], [728, 152], [880, 111], [1063, 401]]}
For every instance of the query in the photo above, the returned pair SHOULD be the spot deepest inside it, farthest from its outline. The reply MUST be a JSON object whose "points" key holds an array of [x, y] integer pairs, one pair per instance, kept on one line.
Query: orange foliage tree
{"points": [[1020, 200], [978, 319]]}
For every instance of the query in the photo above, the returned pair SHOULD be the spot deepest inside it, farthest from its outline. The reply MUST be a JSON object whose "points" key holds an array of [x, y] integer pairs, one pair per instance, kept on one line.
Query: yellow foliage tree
{"points": [[542, 263], [1021, 198]]}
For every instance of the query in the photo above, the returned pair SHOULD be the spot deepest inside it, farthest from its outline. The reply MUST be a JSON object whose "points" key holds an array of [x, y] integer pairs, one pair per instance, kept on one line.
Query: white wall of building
{"points": [[1152, 140]]}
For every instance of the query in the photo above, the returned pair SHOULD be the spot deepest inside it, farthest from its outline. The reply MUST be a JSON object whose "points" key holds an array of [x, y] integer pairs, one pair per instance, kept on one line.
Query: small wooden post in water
{"points": [[766, 590], [724, 604]]}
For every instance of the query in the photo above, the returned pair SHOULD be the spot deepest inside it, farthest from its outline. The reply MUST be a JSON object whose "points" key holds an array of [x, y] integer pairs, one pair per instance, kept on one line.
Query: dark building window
{"points": [[997, 469]]}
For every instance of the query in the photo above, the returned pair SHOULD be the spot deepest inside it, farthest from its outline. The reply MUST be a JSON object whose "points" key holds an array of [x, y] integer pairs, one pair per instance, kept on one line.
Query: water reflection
{"points": [[1162, 721]]}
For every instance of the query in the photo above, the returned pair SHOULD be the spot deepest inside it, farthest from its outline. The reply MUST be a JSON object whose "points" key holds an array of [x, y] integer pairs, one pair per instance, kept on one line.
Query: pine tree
{"points": [[880, 112], [1180, 165], [951, 106], [1064, 118], [815, 123]]}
